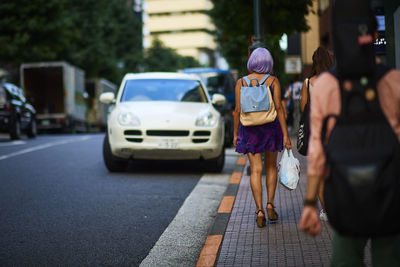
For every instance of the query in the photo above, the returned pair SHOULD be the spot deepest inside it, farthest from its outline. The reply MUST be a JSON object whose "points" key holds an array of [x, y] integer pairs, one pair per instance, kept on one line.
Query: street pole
{"points": [[258, 40], [257, 20]]}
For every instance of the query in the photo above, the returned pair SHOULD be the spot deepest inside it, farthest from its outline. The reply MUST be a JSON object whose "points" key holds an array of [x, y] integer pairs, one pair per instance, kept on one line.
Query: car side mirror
{"points": [[107, 98], [218, 99]]}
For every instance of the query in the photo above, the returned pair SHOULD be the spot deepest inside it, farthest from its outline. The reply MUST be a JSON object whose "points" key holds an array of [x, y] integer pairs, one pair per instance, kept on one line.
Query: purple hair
{"points": [[260, 61]]}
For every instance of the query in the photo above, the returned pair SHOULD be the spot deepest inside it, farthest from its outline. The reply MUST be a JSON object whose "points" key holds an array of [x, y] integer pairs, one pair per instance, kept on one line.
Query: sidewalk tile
{"points": [[277, 244]]}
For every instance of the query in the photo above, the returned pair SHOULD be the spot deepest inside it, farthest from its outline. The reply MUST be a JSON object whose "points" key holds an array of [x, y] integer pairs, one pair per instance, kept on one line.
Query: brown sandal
{"points": [[272, 215], [261, 221]]}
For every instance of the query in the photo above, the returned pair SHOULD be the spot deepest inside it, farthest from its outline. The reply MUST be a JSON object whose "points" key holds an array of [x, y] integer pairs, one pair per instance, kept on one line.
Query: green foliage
{"points": [[161, 58], [100, 36], [31, 30], [234, 21]]}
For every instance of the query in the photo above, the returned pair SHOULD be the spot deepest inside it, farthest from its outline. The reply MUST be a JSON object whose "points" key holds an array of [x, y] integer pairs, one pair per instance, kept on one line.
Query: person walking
{"points": [[326, 100], [321, 62], [268, 138], [379, 224], [293, 97]]}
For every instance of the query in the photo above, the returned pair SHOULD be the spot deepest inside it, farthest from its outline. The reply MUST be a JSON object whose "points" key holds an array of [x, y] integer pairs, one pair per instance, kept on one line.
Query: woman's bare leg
{"points": [[272, 175], [255, 179]]}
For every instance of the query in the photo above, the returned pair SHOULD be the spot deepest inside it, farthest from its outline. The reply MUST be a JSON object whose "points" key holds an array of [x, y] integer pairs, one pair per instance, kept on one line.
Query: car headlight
{"points": [[207, 119], [128, 119]]}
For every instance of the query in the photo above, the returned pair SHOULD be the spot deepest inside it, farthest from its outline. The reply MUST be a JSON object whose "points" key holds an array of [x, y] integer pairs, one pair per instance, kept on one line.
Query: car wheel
{"points": [[15, 128], [113, 163], [32, 128], [228, 134], [216, 164]]}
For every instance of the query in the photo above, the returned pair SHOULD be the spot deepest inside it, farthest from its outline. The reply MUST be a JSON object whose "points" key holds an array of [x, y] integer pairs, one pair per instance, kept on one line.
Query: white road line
{"points": [[40, 147], [182, 241], [13, 143]]}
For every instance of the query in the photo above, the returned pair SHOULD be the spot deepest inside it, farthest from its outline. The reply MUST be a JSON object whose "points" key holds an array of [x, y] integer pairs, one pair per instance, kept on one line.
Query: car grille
{"points": [[167, 133], [136, 136], [129, 136], [202, 133], [135, 140], [198, 141], [132, 132]]}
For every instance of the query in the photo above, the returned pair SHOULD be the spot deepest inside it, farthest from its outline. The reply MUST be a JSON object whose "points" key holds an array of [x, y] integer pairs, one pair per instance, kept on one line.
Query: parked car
{"points": [[222, 82], [163, 116], [16, 113]]}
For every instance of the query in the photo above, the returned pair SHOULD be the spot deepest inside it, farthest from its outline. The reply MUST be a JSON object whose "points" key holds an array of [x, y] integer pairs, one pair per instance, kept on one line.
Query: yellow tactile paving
{"points": [[209, 252], [241, 161], [235, 178], [226, 204]]}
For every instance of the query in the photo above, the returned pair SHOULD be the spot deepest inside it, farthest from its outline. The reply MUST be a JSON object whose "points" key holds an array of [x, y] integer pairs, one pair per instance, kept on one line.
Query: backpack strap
{"points": [[264, 78], [247, 81], [381, 71]]}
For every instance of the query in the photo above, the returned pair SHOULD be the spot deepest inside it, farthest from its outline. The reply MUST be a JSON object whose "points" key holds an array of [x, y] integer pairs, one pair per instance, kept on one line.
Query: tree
{"points": [[234, 21], [106, 39], [31, 31], [161, 58], [100, 36]]}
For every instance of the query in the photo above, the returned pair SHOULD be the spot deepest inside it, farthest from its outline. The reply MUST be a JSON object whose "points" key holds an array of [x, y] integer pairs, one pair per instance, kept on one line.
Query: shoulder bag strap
{"points": [[272, 83]]}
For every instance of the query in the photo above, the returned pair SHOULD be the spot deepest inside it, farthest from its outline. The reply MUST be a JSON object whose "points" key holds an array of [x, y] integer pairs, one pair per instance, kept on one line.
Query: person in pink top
{"points": [[325, 100], [354, 145], [321, 62]]}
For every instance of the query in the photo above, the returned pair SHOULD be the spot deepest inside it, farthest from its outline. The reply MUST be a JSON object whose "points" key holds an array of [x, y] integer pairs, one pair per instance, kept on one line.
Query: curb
{"points": [[214, 239]]}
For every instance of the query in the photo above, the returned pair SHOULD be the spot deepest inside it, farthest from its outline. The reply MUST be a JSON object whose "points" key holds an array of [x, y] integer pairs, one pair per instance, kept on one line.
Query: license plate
{"points": [[45, 122], [168, 143]]}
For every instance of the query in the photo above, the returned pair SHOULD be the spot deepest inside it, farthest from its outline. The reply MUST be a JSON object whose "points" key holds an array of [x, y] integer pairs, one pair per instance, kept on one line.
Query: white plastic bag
{"points": [[289, 170]]}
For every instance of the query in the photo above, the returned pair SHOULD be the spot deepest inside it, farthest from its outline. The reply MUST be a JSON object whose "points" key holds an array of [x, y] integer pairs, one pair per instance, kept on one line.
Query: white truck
{"points": [[97, 111], [57, 90]]}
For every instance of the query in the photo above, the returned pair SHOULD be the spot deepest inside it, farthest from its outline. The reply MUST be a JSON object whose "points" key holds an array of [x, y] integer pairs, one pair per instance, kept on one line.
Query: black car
{"points": [[16, 113], [222, 82]]}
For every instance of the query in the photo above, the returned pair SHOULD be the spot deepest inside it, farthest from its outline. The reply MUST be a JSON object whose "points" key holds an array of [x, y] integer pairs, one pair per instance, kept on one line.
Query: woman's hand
{"points": [[234, 141], [286, 142]]}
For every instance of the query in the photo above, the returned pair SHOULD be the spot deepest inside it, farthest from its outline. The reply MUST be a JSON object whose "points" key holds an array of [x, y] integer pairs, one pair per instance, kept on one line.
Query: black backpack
{"points": [[362, 194]]}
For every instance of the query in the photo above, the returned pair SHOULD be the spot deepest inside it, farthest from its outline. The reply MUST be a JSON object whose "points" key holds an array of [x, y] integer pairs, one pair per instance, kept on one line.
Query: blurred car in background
{"points": [[163, 116], [221, 82], [16, 113]]}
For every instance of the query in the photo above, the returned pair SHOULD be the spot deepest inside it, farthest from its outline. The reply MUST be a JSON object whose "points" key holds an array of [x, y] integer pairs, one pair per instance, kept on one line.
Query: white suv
{"points": [[163, 116]]}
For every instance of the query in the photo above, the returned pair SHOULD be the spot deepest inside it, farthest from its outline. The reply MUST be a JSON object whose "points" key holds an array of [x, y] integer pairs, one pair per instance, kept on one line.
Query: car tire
{"points": [[113, 163], [15, 127], [228, 135], [32, 129], [216, 164]]}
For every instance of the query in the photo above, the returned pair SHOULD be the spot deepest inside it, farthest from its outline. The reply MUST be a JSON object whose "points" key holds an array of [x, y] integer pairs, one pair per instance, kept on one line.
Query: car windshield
{"points": [[222, 83], [163, 90]]}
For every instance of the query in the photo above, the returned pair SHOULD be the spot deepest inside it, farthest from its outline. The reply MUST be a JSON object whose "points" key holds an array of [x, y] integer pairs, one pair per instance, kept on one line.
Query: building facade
{"points": [[310, 40], [388, 18], [301, 46], [182, 25]]}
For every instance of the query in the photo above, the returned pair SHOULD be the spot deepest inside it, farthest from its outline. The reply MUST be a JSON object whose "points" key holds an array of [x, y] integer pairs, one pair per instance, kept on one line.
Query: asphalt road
{"points": [[59, 206]]}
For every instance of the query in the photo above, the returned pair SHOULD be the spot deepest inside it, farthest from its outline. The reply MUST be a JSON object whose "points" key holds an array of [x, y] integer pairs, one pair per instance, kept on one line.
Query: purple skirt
{"points": [[260, 138]]}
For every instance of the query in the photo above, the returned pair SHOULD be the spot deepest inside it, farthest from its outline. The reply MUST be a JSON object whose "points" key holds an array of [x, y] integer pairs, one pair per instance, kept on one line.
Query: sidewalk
{"points": [[278, 244]]}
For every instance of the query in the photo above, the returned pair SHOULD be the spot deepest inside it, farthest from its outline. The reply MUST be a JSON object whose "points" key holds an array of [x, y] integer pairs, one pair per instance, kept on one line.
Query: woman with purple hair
{"points": [[268, 138]]}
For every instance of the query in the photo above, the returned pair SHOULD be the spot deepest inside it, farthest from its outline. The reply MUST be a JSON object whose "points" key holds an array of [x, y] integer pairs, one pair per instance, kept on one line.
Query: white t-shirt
{"points": [[295, 88]]}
